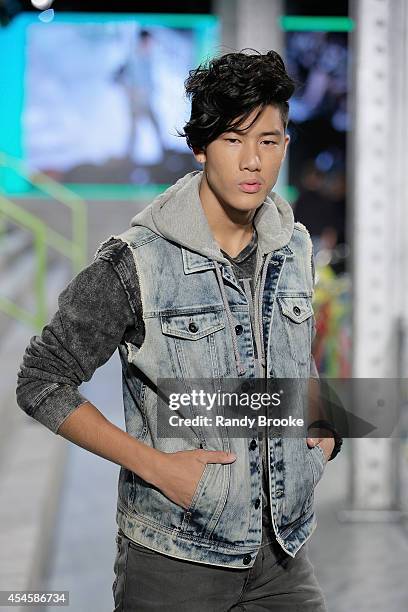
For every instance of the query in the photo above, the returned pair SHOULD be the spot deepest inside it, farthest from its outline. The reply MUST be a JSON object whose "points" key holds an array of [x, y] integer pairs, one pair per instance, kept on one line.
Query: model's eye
{"points": [[269, 142], [232, 139]]}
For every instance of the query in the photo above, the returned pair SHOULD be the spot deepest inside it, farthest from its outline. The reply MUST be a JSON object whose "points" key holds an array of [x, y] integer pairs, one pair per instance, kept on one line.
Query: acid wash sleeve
{"points": [[95, 311]]}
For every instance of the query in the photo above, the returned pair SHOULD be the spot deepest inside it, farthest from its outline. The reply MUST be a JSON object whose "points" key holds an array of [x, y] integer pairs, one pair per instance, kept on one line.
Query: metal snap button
{"points": [[253, 445], [246, 560], [239, 329], [257, 503], [296, 310], [193, 327]]}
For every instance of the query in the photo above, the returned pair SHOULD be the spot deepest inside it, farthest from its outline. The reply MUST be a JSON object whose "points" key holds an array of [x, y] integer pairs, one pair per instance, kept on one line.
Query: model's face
{"points": [[241, 168]]}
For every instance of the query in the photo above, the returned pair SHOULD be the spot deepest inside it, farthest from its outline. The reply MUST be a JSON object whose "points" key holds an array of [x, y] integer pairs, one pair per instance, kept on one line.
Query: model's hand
{"points": [[177, 474], [327, 444]]}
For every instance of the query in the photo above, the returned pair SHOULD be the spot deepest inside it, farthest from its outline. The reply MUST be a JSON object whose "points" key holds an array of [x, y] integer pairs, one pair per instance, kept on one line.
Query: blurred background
{"points": [[91, 96]]}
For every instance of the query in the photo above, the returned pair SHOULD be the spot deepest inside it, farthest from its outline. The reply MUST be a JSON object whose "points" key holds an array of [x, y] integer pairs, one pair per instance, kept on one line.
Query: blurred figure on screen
{"points": [[136, 77]]}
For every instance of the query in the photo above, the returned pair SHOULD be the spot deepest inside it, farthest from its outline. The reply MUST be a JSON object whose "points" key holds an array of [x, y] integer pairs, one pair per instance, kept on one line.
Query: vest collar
{"points": [[194, 262]]}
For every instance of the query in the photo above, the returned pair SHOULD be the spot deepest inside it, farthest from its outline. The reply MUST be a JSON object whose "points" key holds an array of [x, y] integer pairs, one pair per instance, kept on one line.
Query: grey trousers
{"points": [[146, 580]]}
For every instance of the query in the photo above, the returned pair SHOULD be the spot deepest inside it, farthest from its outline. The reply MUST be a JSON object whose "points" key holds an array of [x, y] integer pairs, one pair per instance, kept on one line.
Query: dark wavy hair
{"points": [[226, 91]]}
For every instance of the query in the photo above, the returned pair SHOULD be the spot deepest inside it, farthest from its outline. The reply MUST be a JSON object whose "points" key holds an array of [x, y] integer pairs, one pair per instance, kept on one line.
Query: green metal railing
{"points": [[44, 236], [39, 229]]}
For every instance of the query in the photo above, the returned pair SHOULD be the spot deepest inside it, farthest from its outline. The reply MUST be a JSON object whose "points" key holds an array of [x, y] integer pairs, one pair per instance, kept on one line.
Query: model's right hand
{"points": [[177, 474]]}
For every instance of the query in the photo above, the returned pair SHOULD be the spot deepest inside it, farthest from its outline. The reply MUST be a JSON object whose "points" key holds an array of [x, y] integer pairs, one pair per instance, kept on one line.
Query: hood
{"points": [[177, 215]]}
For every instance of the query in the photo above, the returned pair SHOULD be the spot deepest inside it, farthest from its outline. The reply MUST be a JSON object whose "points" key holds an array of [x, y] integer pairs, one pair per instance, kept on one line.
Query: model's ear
{"points": [[287, 141], [200, 155]]}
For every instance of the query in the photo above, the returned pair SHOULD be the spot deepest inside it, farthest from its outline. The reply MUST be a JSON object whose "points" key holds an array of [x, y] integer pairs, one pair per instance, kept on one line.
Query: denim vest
{"points": [[222, 526]]}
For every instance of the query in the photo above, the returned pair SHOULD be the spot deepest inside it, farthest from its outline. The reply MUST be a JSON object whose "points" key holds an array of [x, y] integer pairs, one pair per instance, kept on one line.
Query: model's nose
{"points": [[250, 160]]}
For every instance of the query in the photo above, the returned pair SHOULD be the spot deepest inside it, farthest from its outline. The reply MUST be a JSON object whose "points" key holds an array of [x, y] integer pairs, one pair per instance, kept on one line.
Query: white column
{"points": [[250, 23], [379, 170]]}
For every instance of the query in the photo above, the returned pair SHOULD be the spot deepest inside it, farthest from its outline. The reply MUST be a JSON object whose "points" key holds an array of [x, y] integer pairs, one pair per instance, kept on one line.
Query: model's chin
{"points": [[247, 206], [251, 201]]}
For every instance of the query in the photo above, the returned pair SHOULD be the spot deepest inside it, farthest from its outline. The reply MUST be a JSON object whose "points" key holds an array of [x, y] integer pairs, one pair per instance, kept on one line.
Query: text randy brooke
{"points": [[245, 421]]}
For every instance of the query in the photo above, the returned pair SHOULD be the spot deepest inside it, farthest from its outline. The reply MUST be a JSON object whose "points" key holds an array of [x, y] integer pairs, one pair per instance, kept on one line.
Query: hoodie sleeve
{"points": [[95, 311]]}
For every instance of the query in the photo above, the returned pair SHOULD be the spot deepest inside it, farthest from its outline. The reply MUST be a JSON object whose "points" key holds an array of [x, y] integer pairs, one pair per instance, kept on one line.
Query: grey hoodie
{"points": [[177, 215]]}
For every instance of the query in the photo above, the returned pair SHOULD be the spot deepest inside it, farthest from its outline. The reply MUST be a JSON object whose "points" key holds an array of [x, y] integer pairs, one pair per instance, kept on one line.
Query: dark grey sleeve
{"points": [[93, 315]]}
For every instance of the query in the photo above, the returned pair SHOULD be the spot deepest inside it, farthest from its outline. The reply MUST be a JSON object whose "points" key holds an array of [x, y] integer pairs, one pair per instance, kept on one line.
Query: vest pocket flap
{"points": [[192, 326], [298, 309]]}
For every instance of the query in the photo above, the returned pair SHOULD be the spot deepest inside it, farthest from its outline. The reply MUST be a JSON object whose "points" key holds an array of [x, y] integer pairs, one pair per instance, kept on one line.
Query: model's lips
{"points": [[250, 186]]}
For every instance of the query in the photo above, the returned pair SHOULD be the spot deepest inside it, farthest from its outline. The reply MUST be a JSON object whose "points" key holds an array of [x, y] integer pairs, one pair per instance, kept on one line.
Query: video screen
{"points": [[318, 61], [108, 110], [319, 113]]}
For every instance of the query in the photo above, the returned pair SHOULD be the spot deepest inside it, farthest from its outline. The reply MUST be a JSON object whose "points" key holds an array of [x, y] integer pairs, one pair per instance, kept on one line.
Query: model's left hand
{"points": [[327, 444]]}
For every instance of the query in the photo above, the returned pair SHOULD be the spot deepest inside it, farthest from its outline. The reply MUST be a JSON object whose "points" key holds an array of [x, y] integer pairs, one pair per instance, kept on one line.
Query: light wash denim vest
{"points": [[178, 286]]}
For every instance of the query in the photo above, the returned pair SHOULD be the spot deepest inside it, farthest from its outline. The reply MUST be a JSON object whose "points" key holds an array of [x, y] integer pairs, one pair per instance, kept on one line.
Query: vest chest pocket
{"points": [[295, 327], [195, 342], [192, 326]]}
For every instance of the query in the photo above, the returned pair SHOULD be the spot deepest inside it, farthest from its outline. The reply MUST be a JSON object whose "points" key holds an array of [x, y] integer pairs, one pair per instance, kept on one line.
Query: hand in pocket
{"points": [[178, 474]]}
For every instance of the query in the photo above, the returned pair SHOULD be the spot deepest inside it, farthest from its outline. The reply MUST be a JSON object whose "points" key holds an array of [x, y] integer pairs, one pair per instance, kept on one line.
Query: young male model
{"points": [[212, 280]]}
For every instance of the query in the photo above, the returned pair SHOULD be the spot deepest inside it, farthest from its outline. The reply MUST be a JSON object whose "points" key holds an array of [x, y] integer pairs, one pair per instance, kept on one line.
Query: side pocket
{"points": [[199, 486], [208, 502], [189, 511]]}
